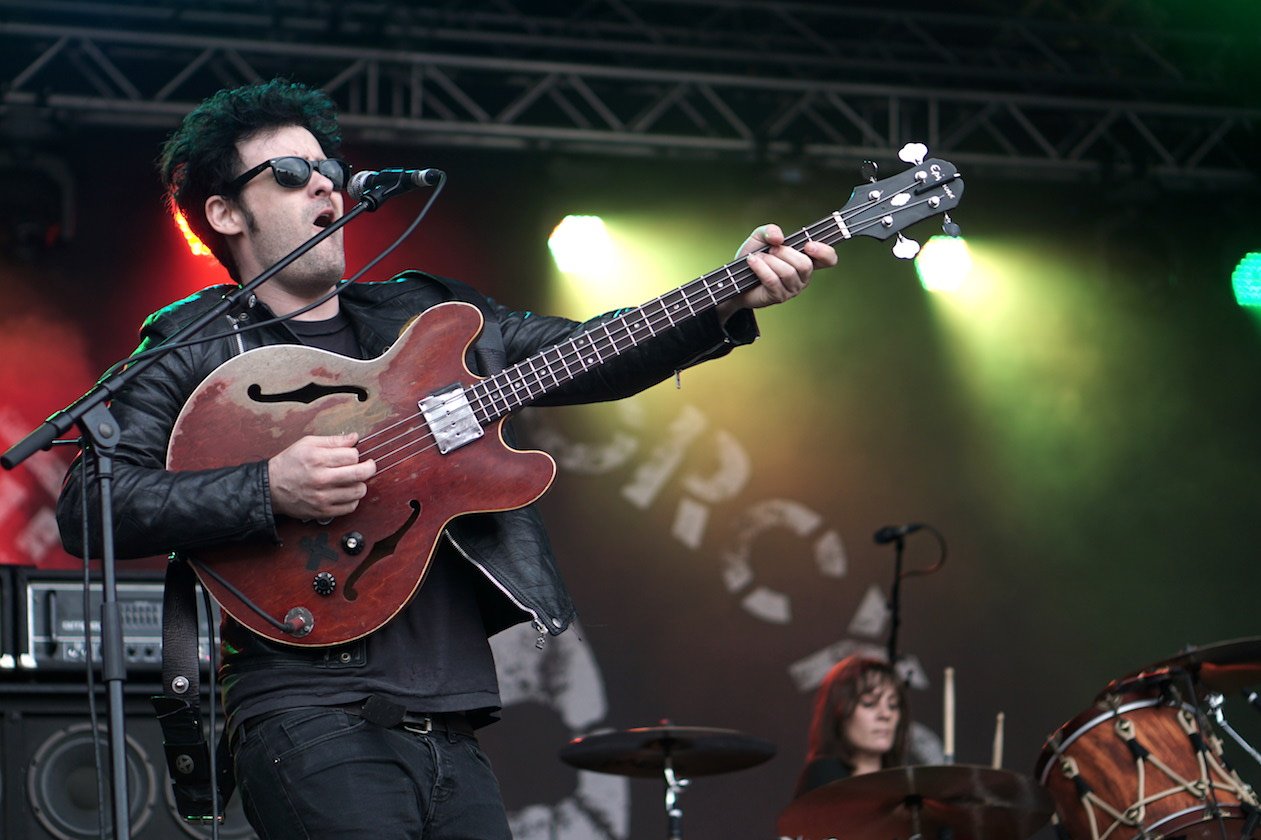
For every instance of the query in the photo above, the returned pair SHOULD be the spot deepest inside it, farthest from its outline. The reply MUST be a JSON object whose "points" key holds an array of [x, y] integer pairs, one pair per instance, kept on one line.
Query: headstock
{"points": [[882, 209]]}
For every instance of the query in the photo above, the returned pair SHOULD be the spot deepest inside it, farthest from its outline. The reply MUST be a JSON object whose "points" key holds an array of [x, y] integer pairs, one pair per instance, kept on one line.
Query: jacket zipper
{"points": [[236, 326], [538, 625]]}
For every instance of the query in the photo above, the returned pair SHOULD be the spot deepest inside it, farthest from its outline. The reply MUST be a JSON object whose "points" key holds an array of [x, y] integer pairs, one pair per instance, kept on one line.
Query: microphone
{"points": [[1253, 699], [889, 533], [391, 182]]}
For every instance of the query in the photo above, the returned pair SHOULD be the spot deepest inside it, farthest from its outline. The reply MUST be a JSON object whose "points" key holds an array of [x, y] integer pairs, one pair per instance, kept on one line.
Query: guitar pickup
{"points": [[450, 418]]}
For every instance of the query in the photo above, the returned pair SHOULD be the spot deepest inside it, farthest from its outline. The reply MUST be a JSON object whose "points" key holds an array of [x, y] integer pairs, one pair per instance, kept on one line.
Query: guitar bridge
{"points": [[450, 418]]}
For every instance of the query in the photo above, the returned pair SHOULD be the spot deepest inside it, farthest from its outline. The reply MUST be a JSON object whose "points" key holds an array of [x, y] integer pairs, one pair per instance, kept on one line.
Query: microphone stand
{"points": [[898, 538], [895, 600], [1215, 701], [100, 435]]}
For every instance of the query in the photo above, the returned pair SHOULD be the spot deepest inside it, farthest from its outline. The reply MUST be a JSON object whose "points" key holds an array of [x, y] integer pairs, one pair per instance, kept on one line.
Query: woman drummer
{"points": [[859, 723]]}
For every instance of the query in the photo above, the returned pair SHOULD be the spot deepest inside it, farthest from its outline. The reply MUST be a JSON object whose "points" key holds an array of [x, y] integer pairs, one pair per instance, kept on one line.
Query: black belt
{"points": [[422, 723]]}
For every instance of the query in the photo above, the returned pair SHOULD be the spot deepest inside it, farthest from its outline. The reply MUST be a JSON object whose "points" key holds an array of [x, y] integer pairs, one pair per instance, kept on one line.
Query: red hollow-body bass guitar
{"points": [[435, 431]]}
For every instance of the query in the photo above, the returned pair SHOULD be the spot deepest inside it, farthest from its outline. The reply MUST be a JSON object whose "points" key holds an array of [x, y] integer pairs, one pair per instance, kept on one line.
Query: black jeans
{"points": [[316, 773]]}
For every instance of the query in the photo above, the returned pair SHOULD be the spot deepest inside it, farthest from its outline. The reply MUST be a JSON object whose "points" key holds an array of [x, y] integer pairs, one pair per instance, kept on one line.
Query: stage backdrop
{"points": [[1080, 428]]}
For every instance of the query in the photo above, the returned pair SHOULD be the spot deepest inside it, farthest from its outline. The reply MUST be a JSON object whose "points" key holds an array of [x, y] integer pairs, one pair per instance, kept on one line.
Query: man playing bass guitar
{"points": [[369, 731]]}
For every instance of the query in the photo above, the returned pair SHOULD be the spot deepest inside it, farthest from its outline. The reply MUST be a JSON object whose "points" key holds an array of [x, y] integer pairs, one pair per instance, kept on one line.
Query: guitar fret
{"points": [[647, 321], [513, 381], [730, 277], [608, 333], [535, 373], [626, 332], [631, 330], [564, 362], [490, 397], [583, 359], [500, 393], [524, 384], [551, 365]]}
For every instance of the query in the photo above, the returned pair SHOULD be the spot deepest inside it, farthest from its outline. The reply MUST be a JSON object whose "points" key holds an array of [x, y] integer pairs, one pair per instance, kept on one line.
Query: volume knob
{"points": [[324, 583]]}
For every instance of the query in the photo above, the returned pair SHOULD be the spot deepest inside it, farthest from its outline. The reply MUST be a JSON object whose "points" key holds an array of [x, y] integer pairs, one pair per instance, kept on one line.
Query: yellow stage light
{"points": [[944, 263], [582, 245]]}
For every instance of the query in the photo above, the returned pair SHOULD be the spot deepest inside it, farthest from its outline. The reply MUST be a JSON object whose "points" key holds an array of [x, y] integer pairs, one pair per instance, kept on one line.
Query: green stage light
{"points": [[581, 245], [944, 263], [1246, 280]]}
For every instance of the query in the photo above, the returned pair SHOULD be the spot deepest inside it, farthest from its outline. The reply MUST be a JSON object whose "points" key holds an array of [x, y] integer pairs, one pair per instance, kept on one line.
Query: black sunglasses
{"points": [[295, 172]]}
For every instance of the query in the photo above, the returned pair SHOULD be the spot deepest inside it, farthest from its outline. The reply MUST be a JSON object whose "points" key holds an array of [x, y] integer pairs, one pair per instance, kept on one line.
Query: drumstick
{"points": [[997, 763], [948, 712]]}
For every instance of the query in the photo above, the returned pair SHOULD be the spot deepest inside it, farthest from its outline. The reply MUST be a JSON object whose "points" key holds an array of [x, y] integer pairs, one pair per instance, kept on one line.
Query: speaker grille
{"points": [[62, 789]]}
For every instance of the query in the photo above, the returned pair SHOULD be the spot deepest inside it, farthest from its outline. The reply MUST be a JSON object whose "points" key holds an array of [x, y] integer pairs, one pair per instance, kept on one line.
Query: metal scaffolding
{"points": [[1050, 91]]}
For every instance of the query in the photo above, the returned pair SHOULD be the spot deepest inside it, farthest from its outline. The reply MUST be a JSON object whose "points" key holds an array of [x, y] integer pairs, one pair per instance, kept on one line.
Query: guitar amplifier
{"points": [[50, 626]]}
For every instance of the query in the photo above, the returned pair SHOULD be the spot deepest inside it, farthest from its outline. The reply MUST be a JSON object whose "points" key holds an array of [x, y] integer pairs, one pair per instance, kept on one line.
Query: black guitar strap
{"points": [[489, 347], [178, 707]]}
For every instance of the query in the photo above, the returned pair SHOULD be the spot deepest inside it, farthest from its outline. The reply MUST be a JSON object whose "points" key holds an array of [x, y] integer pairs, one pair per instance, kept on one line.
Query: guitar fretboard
{"points": [[544, 372], [526, 381]]}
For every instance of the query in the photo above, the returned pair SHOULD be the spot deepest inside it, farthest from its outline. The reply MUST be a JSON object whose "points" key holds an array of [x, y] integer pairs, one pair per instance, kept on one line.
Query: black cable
{"points": [[219, 579], [941, 559]]}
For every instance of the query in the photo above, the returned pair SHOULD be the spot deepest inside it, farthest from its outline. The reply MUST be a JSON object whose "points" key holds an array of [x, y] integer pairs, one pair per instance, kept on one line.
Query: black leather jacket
{"points": [[158, 511]]}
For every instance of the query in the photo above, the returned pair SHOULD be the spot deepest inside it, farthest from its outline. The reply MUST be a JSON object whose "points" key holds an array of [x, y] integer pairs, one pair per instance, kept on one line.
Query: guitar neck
{"points": [[879, 210], [544, 372]]}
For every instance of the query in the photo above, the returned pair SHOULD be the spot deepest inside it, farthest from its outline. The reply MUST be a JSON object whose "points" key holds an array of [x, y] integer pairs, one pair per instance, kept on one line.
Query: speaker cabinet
{"points": [[48, 778]]}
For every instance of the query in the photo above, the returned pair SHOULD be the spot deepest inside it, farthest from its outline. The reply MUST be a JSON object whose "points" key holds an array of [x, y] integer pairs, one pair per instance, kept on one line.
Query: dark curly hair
{"points": [[200, 158]]}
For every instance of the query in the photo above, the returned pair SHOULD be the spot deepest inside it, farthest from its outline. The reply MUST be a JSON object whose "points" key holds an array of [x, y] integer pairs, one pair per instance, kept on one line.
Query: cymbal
{"points": [[1222, 667], [975, 803], [692, 750]]}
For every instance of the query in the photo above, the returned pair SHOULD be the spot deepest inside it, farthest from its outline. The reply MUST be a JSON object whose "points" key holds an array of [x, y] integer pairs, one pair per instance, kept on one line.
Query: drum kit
{"points": [[1144, 762]]}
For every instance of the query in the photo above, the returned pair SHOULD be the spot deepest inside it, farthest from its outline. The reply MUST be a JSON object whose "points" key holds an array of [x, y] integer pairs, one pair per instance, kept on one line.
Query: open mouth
{"points": [[324, 219]]}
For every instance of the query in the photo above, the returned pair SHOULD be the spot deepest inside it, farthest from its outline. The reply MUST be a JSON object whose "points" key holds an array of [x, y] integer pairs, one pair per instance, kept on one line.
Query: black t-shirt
{"points": [[820, 772], [432, 657], [333, 334]]}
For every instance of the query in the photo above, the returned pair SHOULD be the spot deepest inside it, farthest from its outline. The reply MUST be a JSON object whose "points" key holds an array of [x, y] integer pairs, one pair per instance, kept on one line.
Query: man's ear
{"points": [[224, 216]]}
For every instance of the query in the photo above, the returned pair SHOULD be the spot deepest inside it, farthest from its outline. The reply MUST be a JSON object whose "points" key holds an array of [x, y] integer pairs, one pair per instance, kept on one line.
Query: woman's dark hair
{"points": [[200, 158], [837, 697]]}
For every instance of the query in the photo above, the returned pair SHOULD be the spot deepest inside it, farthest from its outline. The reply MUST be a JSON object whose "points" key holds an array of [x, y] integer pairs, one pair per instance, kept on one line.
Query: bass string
{"points": [[483, 400], [618, 334]]}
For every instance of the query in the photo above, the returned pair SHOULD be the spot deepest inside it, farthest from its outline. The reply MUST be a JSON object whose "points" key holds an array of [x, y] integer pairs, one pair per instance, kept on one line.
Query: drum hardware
{"points": [[934, 802], [1215, 700], [1223, 667], [674, 753]]}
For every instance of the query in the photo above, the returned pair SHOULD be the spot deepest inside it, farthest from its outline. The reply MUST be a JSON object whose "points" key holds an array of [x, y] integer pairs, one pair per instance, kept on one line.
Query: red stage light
{"points": [[194, 244]]}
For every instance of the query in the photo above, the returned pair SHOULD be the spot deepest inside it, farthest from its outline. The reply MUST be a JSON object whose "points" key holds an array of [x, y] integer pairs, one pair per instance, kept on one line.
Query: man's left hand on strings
{"points": [[783, 272]]}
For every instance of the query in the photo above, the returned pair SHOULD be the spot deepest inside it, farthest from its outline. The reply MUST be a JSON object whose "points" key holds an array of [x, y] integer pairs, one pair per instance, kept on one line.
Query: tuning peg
{"points": [[905, 249], [913, 153], [948, 226], [868, 171]]}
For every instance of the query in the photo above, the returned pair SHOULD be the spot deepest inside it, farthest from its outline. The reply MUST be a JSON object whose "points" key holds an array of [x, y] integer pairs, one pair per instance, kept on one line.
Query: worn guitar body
{"points": [[353, 573]]}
